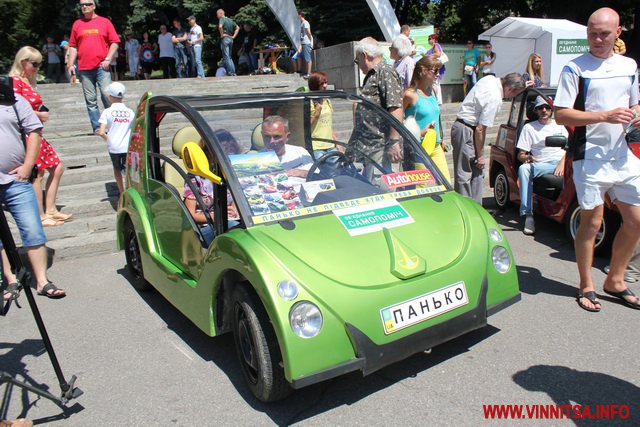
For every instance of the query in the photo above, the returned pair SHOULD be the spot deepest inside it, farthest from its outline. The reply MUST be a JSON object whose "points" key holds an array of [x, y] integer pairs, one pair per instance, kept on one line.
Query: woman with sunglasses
{"points": [[534, 74], [488, 59], [436, 50], [419, 101], [24, 71]]}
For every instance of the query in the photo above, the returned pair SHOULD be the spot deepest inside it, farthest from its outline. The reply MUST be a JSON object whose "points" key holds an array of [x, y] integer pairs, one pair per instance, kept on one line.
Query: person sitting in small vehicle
{"points": [[206, 190], [295, 160], [536, 158]]}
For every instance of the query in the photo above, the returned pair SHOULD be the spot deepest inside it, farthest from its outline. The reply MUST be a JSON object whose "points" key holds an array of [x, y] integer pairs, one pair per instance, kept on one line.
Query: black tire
{"points": [[608, 230], [257, 348], [134, 262], [501, 189]]}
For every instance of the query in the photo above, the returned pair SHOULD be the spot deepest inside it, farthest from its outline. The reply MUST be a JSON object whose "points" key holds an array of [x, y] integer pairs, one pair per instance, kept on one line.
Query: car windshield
{"points": [[292, 156]]}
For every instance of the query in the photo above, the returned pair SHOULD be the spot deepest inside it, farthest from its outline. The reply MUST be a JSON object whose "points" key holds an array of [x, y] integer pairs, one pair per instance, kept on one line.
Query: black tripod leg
{"points": [[68, 391], [6, 378]]}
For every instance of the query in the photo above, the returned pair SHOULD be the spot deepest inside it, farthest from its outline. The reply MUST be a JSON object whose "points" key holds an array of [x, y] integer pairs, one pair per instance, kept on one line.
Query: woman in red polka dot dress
{"points": [[24, 70]]}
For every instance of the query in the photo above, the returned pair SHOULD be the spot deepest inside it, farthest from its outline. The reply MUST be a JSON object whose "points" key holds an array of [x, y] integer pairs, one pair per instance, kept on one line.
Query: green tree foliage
{"points": [[27, 22]]}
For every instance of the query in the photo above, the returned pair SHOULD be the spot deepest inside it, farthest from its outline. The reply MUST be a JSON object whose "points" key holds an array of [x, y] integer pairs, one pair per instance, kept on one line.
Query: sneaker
{"points": [[529, 225], [306, 76]]}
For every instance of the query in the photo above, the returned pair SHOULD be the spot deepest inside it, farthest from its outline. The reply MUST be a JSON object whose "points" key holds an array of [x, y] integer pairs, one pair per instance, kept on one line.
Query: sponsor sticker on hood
{"points": [[374, 217]]}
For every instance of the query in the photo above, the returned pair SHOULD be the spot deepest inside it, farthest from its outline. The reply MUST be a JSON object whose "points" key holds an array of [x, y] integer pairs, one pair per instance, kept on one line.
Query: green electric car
{"points": [[277, 217]]}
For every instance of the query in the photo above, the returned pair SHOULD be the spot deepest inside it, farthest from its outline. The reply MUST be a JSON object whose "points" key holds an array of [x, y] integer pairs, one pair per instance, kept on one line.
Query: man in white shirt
{"points": [[477, 112], [295, 160], [195, 40], [167, 55], [306, 45], [598, 94], [536, 158]]}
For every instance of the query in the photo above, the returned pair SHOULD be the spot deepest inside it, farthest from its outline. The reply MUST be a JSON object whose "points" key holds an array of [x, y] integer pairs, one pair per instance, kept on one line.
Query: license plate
{"points": [[427, 306]]}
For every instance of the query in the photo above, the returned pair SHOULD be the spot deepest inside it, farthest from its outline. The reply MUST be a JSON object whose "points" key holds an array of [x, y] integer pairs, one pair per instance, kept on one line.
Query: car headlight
{"points": [[305, 319], [500, 258], [495, 235], [288, 290]]}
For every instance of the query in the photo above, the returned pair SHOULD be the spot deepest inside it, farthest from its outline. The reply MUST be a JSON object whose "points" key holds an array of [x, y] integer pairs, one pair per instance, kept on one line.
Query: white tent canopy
{"points": [[287, 15], [557, 40]]}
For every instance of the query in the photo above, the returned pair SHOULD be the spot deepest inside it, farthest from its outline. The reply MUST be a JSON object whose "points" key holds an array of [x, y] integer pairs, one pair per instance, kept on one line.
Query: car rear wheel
{"points": [[501, 189], [604, 238], [132, 254], [257, 348]]}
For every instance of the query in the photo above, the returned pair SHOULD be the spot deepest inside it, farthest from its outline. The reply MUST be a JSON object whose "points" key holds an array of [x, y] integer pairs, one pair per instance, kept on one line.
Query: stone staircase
{"points": [[88, 189]]}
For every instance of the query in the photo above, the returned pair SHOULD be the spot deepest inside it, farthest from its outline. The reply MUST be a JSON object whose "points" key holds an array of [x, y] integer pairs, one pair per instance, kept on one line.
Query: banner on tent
{"points": [[572, 46]]}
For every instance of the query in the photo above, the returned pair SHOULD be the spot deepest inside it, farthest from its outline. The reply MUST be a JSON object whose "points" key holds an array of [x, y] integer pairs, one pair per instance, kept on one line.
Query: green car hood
{"points": [[435, 240]]}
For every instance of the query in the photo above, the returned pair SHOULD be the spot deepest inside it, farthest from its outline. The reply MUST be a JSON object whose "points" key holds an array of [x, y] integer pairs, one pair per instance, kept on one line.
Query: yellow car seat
{"points": [[171, 175]]}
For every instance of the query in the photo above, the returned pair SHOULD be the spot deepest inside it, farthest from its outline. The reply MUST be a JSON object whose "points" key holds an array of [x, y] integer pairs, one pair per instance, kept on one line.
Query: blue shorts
{"points": [[20, 200], [306, 52], [119, 161]]}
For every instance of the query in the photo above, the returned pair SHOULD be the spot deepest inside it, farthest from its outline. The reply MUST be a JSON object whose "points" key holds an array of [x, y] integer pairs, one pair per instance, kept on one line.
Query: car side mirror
{"points": [[559, 141], [197, 163]]}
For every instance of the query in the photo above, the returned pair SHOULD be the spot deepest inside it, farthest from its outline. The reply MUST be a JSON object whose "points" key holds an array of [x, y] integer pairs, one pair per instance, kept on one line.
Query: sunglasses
{"points": [[85, 5], [355, 61], [35, 64], [543, 107]]}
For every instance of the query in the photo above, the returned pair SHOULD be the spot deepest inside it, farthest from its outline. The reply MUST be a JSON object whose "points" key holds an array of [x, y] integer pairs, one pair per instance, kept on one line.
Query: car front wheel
{"points": [[132, 254], [604, 238], [257, 348], [501, 189]]}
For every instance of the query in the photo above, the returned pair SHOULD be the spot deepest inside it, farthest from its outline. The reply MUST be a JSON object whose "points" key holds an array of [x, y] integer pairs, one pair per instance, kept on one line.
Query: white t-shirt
{"points": [[304, 36], [118, 119], [194, 32], [607, 84], [131, 46], [166, 45], [532, 139], [487, 68], [483, 103], [296, 158]]}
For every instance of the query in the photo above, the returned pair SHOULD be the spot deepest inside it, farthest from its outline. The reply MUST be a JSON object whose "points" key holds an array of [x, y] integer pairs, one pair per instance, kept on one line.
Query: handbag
{"points": [[412, 126], [443, 58]]}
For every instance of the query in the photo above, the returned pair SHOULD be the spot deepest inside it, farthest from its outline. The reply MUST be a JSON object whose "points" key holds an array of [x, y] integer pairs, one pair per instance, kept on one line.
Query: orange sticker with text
{"points": [[401, 179]]}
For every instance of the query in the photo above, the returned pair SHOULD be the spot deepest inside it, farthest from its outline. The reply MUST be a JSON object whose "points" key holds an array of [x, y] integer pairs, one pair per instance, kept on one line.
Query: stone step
{"points": [[94, 243]]}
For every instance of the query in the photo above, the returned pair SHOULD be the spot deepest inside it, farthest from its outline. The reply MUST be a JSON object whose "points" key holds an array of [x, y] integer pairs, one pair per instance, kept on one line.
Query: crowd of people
{"points": [[176, 50]]}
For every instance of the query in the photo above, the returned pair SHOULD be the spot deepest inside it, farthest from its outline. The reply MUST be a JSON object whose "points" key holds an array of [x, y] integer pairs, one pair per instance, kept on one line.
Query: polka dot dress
{"points": [[47, 157]]}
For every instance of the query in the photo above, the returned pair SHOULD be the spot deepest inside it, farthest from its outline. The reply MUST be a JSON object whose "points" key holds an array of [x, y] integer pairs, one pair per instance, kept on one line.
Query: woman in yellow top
{"points": [[321, 117]]}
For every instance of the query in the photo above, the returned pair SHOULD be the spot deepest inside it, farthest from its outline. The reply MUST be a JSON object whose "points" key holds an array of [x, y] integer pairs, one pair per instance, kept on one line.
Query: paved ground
{"points": [[140, 362]]}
